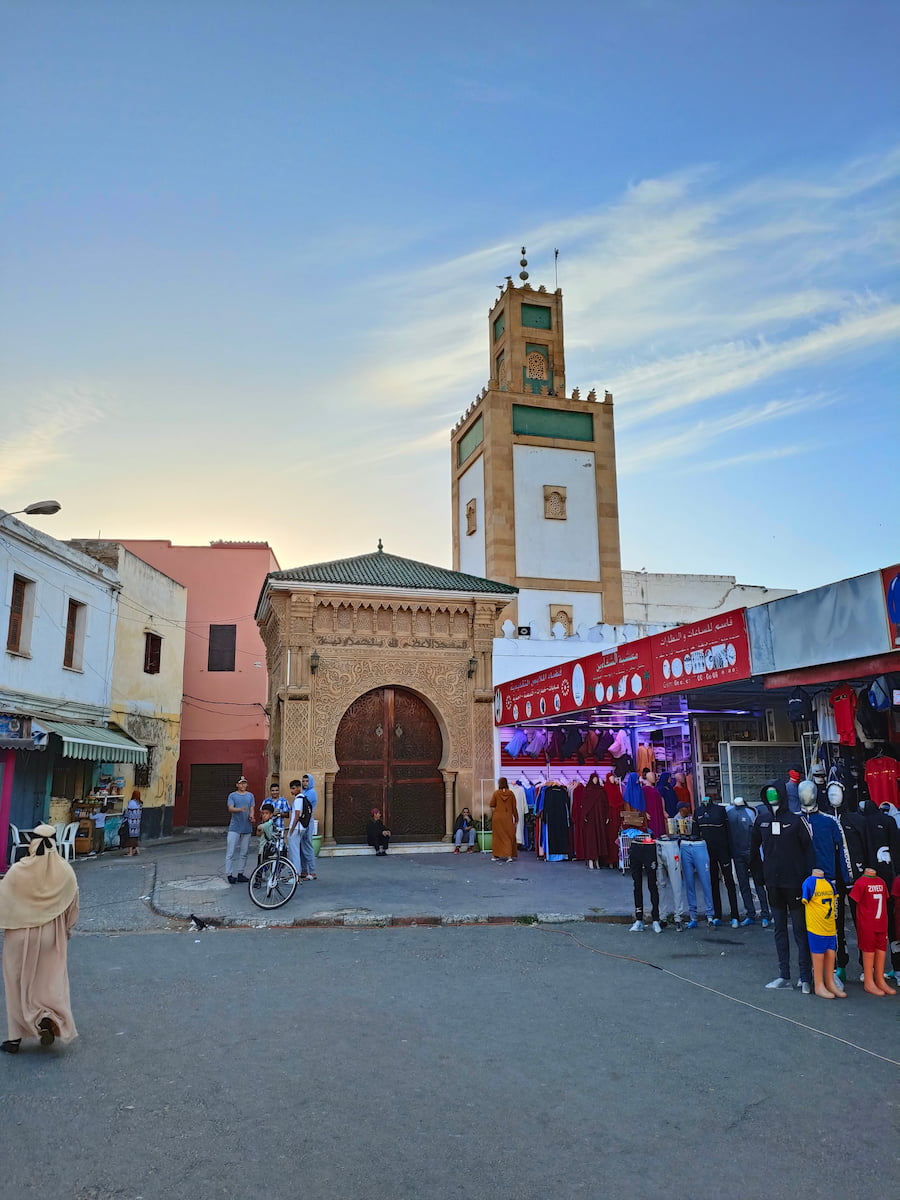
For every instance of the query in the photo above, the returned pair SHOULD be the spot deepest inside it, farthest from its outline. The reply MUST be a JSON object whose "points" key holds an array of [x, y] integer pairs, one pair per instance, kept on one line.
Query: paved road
{"points": [[502, 1062]]}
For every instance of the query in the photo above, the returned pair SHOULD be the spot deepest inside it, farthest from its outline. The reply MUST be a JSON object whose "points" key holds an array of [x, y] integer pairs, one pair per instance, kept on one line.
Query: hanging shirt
{"points": [[882, 774], [818, 900], [843, 701], [825, 718], [871, 897]]}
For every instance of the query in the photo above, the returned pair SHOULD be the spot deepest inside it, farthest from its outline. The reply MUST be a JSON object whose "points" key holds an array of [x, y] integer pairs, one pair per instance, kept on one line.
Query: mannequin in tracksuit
{"points": [[711, 822], [786, 847], [833, 859], [740, 818], [884, 856]]}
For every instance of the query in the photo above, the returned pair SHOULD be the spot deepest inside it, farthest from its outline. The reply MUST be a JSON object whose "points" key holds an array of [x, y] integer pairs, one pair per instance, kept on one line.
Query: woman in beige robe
{"points": [[38, 908], [503, 802]]}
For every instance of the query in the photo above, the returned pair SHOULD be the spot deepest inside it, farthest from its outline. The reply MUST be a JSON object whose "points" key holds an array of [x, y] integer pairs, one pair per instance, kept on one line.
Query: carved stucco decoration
{"points": [[442, 683]]}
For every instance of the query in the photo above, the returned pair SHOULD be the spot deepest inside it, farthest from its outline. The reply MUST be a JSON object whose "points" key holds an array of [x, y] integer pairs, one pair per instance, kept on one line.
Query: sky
{"points": [[248, 250]]}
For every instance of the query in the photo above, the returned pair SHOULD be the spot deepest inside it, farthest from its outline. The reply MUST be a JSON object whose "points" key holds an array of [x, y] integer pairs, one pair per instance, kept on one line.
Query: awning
{"points": [[836, 672], [96, 742]]}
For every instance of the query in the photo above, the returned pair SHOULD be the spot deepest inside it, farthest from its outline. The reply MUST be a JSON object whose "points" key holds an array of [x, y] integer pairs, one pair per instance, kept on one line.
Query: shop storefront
{"points": [[63, 773], [684, 701]]}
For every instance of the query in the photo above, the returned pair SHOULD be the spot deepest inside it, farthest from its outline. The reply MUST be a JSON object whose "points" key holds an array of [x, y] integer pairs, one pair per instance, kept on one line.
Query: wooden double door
{"points": [[389, 749]]}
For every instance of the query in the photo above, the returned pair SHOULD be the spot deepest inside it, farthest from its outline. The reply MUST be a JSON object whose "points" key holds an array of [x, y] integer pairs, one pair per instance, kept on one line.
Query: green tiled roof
{"points": [[390, 571]]}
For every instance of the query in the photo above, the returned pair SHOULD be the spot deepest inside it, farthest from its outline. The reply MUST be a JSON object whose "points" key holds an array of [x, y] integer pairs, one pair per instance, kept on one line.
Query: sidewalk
{"points": [[184, 876]]}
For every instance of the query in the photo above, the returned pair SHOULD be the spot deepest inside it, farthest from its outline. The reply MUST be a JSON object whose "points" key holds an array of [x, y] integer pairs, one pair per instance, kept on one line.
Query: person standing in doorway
{"points": [[302, 826], [241, 807]]}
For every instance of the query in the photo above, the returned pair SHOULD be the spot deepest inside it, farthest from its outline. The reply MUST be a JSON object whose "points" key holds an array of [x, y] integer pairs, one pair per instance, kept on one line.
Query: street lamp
{"points": [[40, 508]]}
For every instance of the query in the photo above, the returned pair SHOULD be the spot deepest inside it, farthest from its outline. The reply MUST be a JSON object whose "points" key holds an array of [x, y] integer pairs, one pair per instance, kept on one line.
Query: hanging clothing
{"points": [[577, 825], [645, 756], [843, 702], [654, 808], [595, 814], [555, 825], [612, 785], [517, 743], [633, 793], [571, 742], [825, 718], [503, 802], [666, 788], [521, 807], [882, 777]]}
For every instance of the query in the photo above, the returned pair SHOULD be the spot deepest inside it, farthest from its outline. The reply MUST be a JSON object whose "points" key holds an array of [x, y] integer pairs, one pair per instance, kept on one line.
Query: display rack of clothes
{"points": [[552, 820]]}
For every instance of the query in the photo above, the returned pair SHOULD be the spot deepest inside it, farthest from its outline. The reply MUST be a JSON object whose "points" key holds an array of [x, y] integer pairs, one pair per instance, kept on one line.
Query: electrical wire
{"points": [[725, 996]]}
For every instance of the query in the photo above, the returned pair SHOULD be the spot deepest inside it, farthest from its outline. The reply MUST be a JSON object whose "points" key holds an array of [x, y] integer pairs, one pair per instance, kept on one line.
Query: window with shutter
{"points": [[222, 644], [74, 643], [152, 653], [16, 614]]}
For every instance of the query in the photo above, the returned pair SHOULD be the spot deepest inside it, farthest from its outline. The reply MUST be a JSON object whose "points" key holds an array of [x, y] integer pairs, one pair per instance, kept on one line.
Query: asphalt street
{"points": [[507, 1061]]}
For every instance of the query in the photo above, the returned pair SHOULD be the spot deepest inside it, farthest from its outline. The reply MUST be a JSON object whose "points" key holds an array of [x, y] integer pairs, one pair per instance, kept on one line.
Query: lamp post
{"points": [[40, 508]]}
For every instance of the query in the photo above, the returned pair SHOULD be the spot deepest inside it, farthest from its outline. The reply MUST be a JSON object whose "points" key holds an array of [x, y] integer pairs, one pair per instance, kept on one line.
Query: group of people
{"points": [[293, 820]]}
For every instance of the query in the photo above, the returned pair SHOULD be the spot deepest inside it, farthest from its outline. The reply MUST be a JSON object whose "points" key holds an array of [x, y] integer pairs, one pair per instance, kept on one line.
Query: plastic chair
{"points": [[19, 842], [66, 843], [60, 828]]}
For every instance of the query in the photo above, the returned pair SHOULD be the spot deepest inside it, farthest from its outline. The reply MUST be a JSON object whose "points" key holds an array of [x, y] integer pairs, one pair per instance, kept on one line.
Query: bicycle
{"points": [[275, 879]]}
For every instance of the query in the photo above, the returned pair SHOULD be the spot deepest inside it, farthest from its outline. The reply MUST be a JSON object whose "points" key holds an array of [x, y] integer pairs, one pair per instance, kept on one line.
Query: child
{"points": [[266, 829]]}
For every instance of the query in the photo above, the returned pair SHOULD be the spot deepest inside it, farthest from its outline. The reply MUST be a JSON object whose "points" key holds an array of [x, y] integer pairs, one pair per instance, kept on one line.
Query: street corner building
{"points": [[380, 685]]}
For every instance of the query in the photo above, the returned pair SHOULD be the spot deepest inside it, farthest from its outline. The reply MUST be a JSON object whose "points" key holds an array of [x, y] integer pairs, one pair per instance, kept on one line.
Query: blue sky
{"points": [[249, 249]]}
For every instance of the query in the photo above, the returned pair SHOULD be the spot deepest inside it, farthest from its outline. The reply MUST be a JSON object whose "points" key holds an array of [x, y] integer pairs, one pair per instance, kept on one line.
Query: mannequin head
{"points": [[809, 795], [773, 794], [740, 802], [836, 794], [648, 776], [772, 797]]}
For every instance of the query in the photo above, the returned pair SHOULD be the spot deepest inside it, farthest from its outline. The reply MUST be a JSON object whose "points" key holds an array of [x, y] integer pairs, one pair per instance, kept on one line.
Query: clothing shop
{"points": [[653, 725]]}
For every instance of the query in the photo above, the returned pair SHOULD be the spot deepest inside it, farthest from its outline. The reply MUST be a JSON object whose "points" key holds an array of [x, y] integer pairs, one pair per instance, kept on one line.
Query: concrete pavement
{"points": [[179, 878]]}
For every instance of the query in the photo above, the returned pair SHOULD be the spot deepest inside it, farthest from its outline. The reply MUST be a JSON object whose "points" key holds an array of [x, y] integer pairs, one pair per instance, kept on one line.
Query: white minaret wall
{"points": [[534, 609], [472, 557], [547, 549]]}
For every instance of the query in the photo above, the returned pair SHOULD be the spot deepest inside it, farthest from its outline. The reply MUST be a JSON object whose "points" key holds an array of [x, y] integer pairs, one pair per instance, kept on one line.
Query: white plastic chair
{"points": [[19, 843], [60, 828], [66, 843]]}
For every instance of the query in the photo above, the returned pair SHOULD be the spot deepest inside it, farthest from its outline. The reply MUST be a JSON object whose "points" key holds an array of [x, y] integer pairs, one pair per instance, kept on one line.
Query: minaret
{"points": [[534, 473]]}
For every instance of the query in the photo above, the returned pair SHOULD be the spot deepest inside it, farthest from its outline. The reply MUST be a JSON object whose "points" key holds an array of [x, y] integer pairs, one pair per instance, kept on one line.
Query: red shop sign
{"points": [[625, 673], [543, 694], [716, 650], [891, 579]]}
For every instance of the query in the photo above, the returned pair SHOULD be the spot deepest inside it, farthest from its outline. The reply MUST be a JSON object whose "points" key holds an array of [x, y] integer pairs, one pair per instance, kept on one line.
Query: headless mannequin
{"points": [[873, 958], [642, 860], [819, 902], [740, 818], [835, 794]]}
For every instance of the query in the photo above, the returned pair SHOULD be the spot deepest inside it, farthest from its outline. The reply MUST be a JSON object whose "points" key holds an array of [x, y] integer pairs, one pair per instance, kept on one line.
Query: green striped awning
{"points": [[101, 743]]}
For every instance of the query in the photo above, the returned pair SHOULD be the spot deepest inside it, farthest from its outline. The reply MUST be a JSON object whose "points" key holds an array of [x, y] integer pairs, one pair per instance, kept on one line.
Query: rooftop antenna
{"points": [[523, 263]]}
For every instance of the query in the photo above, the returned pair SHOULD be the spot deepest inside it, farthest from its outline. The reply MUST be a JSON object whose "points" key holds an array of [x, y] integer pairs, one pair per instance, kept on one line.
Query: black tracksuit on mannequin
{"points": [[883, 834], [787, 852], [711, 823]]}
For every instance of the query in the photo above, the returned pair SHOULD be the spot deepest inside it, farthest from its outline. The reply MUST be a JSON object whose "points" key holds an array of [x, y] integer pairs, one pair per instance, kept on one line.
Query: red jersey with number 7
{"points": [[870, 894], [843, 701]]}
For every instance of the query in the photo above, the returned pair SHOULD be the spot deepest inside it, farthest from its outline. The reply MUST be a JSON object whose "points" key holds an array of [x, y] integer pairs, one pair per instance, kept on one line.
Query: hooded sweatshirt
{"points": [[740, 819], [310, 793], [785, 842], [711, 822]]}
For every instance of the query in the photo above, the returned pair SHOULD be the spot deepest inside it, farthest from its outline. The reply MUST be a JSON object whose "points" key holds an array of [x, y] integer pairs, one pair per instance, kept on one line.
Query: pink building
{"points": [[224, 726]]}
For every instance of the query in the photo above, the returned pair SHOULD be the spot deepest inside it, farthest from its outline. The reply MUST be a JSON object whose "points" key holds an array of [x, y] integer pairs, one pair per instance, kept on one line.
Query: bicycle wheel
{"points": [[273, 883]]}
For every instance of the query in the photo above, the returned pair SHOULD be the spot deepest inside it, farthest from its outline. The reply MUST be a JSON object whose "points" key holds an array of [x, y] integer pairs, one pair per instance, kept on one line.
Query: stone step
{"points": [[347, 851]]}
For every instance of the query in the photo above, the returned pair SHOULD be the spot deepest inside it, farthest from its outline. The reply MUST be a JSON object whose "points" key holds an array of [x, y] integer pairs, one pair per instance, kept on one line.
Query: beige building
{"points": [[148, 667], [535, 502], [380, 686]]}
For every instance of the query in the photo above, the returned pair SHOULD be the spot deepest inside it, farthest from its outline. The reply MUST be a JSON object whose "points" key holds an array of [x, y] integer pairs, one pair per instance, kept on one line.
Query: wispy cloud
{"points": [[45, 431], [687, 291]]}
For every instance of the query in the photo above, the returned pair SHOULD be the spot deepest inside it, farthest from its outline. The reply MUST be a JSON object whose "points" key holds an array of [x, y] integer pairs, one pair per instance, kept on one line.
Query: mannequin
{"points": [[668, 854], [818, 900], [871, 897], [740, 817], [653, 804], [695, 869], [842, 879], [642, 860], [786, 847], [712, 823]]}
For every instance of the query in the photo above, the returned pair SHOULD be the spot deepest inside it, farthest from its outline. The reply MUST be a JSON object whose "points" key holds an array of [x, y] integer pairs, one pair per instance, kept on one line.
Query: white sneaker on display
{"points": [[779, 983], [657, 928], [637, 927]]}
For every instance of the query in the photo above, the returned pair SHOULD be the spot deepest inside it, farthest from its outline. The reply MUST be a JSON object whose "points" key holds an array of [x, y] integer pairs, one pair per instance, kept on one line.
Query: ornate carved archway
{"points": [[388, 749]]}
